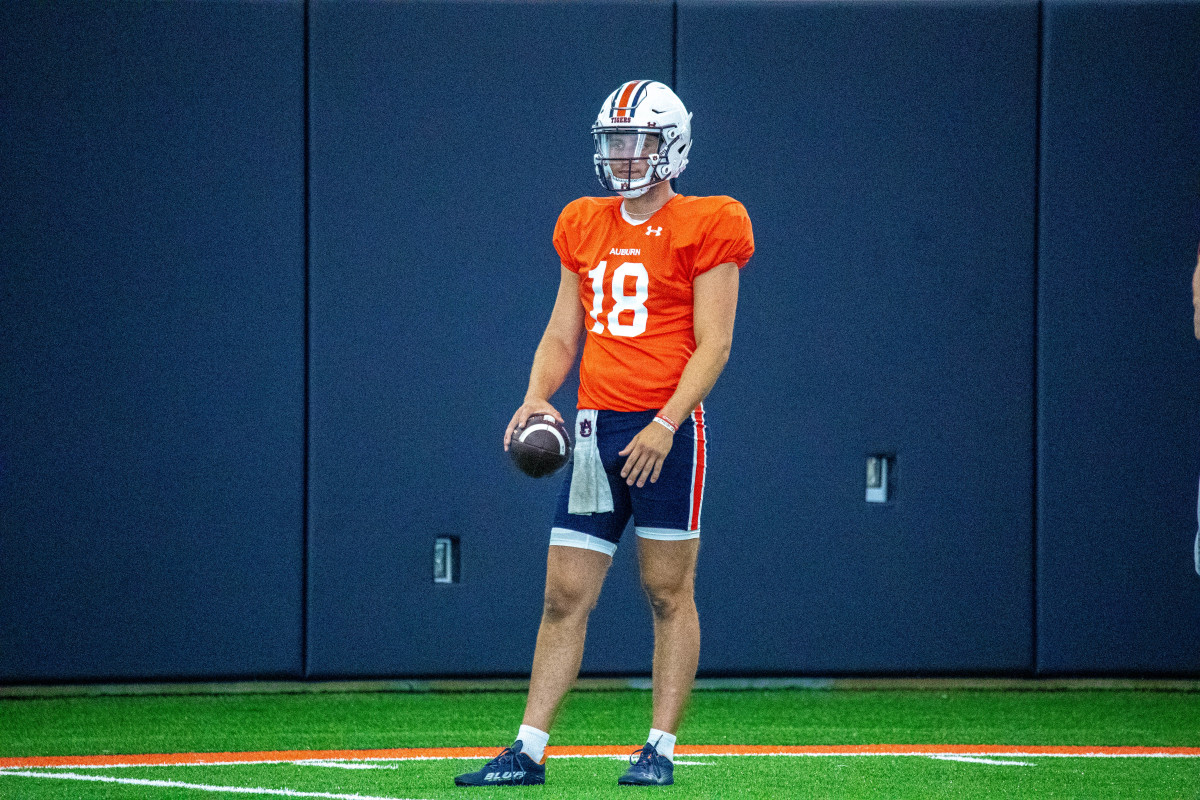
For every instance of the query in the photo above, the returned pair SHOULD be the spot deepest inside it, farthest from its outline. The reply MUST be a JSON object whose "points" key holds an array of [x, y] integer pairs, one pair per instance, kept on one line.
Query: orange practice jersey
{"points": [[635, 284]]}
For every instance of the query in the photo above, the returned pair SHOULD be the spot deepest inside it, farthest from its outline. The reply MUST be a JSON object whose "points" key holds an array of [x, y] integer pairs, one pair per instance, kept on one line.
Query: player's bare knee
{"points": [[565, 600], [667, 600], [662, 607]]}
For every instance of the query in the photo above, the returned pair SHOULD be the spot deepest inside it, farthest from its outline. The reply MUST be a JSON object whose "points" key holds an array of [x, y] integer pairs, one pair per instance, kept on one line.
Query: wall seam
{"points": [[304, 516], [674, 45], [1037, 224]]}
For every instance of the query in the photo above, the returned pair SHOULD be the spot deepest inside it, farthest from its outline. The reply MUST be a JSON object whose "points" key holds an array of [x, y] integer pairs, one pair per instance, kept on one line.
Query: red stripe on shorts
{"points": [[698, 467]]}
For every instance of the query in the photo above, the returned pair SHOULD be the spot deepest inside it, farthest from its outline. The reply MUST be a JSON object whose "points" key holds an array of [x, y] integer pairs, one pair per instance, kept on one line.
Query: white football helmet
{"points": [[643, 135]]}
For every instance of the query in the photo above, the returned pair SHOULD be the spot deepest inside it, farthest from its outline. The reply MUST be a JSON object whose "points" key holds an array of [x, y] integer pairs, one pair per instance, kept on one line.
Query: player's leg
{"points": [[574, 577], [667, 521], [668, 571], [669, 577]]}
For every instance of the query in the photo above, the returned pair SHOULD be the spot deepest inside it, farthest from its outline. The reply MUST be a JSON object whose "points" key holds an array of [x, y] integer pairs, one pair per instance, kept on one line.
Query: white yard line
{"points": [[200, 787], [975, 760]]}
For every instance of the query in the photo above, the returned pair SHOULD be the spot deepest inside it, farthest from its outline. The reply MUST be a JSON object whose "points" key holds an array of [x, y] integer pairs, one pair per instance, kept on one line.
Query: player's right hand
{"points": [[528, 409]]}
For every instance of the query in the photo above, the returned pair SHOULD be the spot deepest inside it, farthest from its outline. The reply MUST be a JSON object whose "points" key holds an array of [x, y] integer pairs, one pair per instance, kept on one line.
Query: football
{"points": [[541, 447]]}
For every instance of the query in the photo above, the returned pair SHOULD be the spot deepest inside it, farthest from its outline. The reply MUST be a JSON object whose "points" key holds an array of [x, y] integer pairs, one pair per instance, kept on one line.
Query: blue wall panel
{"points": [[1119, 427], [151, 339], [885, 153], [446, 137]]}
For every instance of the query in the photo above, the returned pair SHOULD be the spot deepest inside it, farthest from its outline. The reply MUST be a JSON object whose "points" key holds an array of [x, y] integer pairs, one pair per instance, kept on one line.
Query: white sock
{"points": [[533, 742], [663, 742]]}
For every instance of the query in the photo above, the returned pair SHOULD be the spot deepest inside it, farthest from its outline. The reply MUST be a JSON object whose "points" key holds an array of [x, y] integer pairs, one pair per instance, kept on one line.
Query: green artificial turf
{"points": [[255, 722], [219, 723]]}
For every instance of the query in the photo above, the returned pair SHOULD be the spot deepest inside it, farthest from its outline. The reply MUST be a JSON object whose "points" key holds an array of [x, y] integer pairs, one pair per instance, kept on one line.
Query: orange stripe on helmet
{"points": [[624, 97]]}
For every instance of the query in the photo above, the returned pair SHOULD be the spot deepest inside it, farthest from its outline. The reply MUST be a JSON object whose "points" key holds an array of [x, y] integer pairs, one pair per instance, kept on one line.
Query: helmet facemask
{"points": [[630, 160]]}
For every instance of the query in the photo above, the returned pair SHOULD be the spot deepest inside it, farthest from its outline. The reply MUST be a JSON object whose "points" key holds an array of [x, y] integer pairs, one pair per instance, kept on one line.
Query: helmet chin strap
{"points": [[629, 194]]}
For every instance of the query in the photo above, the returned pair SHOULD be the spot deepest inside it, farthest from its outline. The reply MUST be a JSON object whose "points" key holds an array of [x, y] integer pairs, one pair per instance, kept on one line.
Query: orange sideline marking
{"points": [[407, 753]]}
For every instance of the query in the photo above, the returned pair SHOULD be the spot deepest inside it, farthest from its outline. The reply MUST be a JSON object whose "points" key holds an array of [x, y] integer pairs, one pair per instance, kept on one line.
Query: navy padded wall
{"points": [[885, 153], [1119, 427], [151, 339], [446, 137], [152, 311]]}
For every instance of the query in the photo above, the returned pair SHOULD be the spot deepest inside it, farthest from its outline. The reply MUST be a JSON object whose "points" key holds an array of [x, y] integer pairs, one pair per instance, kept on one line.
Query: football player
{"points": [[649, 281]]}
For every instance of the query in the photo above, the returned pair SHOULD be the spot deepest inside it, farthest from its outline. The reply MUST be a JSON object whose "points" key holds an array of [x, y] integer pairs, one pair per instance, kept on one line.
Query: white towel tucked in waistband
{"points": [[589, 485]]}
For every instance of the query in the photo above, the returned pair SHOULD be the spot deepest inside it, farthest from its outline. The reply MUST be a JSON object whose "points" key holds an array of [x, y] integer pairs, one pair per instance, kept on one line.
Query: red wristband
{"points": [[666, 423]]}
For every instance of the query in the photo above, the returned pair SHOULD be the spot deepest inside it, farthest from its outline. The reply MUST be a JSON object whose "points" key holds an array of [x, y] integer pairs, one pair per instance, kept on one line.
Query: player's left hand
{"points": [[646, 453]]}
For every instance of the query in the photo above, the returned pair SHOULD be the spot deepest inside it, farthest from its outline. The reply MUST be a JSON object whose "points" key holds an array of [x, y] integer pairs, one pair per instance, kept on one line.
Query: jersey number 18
{"points": [[621, 301]]}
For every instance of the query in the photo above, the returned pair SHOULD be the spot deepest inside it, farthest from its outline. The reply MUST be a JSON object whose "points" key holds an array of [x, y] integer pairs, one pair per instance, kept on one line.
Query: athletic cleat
{"points": [[510, 768], [649, 769]]}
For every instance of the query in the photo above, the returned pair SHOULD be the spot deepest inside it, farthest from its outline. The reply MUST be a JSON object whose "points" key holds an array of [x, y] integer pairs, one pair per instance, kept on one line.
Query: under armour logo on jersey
{"points": [[585, 428], [656, 231]]}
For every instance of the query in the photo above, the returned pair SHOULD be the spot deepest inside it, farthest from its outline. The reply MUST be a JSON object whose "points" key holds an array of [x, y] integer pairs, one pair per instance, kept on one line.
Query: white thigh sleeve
{"points": [[564, 537], [666, 534]]}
